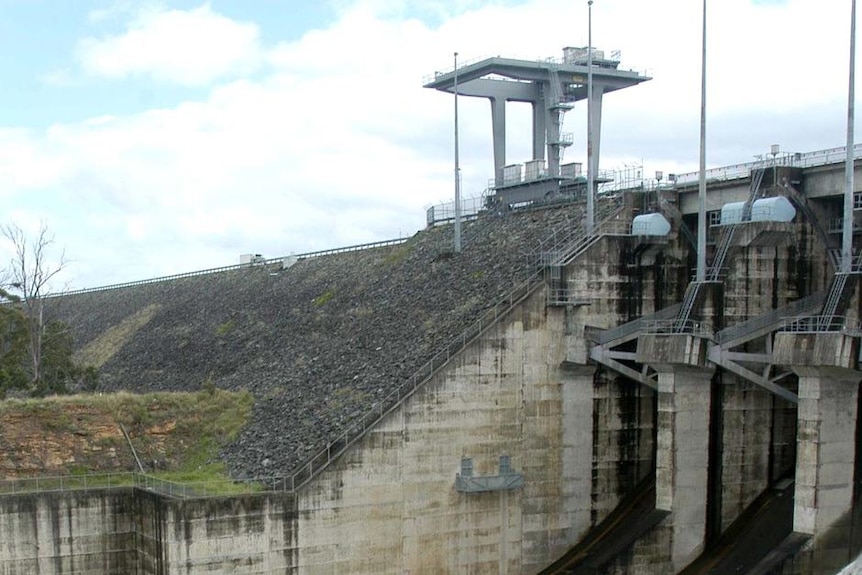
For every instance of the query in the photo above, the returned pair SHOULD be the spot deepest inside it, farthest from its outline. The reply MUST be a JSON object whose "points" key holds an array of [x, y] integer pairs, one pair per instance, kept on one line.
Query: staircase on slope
{"points": [[801, 202], [840, 291], [843, 281], [730, 350], [693, 292], [574, 243], [315, 464]]}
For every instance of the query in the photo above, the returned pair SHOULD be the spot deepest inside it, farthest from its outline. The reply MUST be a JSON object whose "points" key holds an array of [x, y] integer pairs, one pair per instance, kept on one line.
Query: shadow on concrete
{"points": [[759, 539], [632, 518]]}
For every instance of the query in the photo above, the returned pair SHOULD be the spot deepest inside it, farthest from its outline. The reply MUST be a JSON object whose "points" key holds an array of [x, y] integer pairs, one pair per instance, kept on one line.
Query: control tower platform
{"points": [[552, 86]]}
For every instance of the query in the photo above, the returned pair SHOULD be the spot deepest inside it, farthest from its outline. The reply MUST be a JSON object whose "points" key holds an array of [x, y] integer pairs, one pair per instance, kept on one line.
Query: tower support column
{"points": [[498, 123], [682, 456], [596, 113], [825, 447], [538, 131]]}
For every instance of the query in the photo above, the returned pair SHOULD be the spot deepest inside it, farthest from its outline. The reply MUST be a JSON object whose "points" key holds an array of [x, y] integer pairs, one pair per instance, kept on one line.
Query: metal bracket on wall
{"points": [[506, 480]]}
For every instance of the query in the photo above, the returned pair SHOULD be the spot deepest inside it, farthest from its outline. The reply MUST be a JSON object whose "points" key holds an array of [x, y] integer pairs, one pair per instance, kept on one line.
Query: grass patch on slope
{"points": [[177, 436], [103, 348]]}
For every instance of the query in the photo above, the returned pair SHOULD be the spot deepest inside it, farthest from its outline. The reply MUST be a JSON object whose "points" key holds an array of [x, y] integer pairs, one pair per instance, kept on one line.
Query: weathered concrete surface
{"points": [[390, 505], [816, 349], [668, 350], [76, 533], [827, 447], [248, 535], [682, 458], [128, 531]]}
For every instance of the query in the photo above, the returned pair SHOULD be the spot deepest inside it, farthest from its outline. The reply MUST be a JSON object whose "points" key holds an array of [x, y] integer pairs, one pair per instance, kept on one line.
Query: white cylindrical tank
{"points": [[777, 209], [732, 213], [650, 225]]}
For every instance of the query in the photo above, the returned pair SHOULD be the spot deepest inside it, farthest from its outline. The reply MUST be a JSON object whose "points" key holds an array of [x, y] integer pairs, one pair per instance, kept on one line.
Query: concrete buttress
{"points": [[826, 435], [682, 457]]}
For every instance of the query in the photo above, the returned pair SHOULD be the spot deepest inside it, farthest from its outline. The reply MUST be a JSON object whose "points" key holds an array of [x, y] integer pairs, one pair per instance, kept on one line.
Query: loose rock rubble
{"points": [[318, 344]]}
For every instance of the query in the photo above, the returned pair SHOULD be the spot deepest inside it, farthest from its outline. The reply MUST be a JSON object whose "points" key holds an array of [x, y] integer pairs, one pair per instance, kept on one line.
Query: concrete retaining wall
{"points": [[79, 533]]}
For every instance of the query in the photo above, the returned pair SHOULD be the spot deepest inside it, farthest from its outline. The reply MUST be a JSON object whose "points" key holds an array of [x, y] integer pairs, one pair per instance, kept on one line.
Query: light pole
{"points": [[590, 174], [847, 244], [457, 169], [701, 193]]}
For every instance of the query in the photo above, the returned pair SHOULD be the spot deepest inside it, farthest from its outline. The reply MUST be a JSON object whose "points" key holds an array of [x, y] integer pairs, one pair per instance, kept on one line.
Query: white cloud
{"points": [[191, 47], [334, 141]]}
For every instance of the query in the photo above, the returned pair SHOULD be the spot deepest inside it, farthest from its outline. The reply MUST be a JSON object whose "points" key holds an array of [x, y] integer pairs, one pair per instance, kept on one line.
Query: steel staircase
{"points": [[729, 351], [836, 290], [557, 107], [577, 241], [801, 203], [756, 180], [713, 274]]}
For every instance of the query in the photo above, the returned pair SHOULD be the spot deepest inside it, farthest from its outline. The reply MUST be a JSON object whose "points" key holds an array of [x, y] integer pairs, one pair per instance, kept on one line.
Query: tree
{"points": [[13, 344], [29, 276]]}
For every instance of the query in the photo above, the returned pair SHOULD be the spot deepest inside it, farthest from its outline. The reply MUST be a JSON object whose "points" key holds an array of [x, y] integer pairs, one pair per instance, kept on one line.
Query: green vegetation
{"points": [[321, 300], [225, 328], [398, 255], [57, 370], [177, 436], [103, 348]]}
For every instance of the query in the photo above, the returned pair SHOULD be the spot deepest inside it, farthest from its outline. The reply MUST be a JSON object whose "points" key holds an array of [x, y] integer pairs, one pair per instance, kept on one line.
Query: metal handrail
{"points": [[773, 317], [538, 62], [63, 483], [266, 262], [821, 324], [624, 330], [323, 458], [680, 327], [802, 160], [445, 212], [124, 480]]}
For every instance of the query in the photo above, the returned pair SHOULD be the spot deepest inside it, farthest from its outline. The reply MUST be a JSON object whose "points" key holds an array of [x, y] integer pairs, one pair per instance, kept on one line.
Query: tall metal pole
{"points": [[701, 193], [590, 175], [457, 169], [847, 245]]}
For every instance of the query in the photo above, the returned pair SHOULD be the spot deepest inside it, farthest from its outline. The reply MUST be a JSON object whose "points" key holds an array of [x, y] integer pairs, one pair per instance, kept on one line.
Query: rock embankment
{"points": [[317, 344]]}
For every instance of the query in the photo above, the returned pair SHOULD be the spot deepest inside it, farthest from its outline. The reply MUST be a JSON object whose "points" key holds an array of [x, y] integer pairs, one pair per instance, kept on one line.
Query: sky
{"points": [[154, 138]]}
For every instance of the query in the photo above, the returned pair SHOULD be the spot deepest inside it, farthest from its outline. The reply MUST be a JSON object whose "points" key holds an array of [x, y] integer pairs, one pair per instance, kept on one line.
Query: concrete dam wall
{"points": [[522, 453]]}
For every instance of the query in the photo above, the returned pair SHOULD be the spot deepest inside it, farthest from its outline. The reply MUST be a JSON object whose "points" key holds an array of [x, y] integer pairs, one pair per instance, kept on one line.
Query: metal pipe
{"points": [[457, 169], [847, 245]]}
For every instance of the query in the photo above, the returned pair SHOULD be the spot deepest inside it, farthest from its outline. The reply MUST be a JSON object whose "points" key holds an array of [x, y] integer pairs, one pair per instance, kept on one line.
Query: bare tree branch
{"points": [[29, 275]]}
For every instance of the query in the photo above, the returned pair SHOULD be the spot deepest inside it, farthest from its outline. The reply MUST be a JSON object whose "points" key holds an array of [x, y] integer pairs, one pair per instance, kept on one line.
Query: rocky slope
{"points": [[317, 344]]}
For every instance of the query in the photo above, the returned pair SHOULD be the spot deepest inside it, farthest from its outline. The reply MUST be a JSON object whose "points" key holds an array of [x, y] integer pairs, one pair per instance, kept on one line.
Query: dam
{"points": [[557, 398]]}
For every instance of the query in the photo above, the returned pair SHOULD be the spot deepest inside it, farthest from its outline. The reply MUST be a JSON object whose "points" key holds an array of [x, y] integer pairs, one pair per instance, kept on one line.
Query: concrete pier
{"points": [[826, 434], [826, 443], [682, 457]]}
